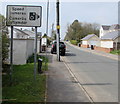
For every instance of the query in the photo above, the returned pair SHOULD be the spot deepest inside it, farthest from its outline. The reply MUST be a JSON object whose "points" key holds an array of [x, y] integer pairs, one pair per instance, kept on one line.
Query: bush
{"points": [[31, 58], [74, 42]]}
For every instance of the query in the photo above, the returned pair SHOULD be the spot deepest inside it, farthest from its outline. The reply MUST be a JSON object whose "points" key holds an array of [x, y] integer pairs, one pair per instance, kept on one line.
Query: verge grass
{"points": [[117, 52], [24, 88]]}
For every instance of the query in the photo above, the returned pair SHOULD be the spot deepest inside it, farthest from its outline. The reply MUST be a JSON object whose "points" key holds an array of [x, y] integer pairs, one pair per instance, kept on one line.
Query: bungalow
{"points": [[110, 41], [89, 40]]}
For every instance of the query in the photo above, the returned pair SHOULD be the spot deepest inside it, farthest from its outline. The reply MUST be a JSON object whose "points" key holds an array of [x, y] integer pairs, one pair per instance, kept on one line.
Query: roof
{"points": [[31, 33], [105, 27], [111, 35], [20, 31], [115, 27], [88, 37]]}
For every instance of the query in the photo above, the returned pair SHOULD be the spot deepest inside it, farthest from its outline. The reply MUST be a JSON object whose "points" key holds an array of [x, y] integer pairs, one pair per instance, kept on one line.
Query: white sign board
{"points": [[20, 15]]}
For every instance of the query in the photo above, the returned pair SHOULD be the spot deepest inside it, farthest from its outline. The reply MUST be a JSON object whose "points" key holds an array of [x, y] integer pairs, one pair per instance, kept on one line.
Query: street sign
{"points": [[20, 15]]}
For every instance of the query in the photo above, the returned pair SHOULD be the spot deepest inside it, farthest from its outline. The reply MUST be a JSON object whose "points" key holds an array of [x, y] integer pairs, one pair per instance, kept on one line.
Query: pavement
{"points": [[112, 56], [61, 85]]}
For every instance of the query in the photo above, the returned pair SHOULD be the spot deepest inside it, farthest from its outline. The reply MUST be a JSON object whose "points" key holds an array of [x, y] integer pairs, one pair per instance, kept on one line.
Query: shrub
{"points": [[31, 58], [74, 42]]}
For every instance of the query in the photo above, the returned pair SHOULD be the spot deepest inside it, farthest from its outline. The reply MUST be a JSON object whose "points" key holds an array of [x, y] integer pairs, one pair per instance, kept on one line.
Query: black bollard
{"points": [[40, 66]]}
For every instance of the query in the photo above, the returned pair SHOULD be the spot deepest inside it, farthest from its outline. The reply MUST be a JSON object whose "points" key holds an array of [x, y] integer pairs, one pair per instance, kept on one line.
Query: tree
{"points": [[53, 33], [77, 30], [73, 31], [5, 39], [5, 46]]}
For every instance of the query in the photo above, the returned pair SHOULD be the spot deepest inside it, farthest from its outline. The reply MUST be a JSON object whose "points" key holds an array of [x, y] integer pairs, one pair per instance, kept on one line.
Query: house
{"points": [[103, 30], [17, 33], [31, 33], [107, 41], [114, 27], [23, 46], [110, 41], [89, 40], [32, 36]]}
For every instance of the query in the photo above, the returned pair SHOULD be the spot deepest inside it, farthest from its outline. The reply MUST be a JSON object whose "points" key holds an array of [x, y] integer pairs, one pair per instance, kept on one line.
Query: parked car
{"points": [[62, 48]]}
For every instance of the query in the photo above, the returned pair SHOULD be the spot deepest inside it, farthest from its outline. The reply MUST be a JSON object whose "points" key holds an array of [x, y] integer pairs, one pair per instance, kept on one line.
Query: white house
{"points": [[109, 41], [114, 27], [23, 46], [22, 49], [103, 30], [32, 36], [17, 33], [110, 38], [31, 33], [89, 40]]}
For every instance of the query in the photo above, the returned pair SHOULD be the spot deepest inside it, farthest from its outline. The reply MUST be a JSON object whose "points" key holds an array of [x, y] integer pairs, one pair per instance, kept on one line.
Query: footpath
{"points": [[112, 56], [61, 86]]}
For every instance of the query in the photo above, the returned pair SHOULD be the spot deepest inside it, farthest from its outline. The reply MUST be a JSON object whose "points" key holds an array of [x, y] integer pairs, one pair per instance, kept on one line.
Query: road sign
{"points": [[20, 15]]}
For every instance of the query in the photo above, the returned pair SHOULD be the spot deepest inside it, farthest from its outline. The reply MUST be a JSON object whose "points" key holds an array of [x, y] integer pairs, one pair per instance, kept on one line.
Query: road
{"points": [[98, 75]]}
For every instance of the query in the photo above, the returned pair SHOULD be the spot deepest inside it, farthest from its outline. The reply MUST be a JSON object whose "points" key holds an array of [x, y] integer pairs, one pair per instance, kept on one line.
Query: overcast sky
{"points": [[92, 12]]}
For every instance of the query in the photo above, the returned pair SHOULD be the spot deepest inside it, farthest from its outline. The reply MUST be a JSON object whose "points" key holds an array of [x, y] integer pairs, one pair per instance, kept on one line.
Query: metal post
{"points": [[11, 54], [58, 31], [47, 17], [47, 32], [35, 53], [40, 44]]}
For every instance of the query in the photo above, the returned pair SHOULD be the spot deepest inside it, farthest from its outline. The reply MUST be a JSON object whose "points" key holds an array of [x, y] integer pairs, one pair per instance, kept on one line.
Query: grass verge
{"points": [[24, 88], [117, 52]]}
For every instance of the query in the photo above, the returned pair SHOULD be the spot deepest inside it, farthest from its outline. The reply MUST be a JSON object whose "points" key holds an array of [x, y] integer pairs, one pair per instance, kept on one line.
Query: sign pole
{"points": [[35, 53], [58, 31], [11, 55]]}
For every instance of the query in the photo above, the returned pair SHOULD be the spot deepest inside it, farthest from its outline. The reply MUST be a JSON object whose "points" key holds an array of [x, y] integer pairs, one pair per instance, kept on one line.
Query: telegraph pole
{"points": [[58, 30]]}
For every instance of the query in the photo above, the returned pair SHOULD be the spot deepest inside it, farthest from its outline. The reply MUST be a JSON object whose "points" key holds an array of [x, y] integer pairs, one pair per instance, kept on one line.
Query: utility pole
{"points": [[58, 31]]}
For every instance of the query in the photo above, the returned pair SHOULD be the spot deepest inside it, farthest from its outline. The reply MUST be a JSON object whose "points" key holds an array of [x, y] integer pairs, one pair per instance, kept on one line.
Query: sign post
{"points": [[35, 53], [11, 55], [27, 16]]}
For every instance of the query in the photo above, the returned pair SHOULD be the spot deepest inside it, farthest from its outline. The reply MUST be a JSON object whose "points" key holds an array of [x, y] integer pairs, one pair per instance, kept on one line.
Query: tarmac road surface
{"points": [[98, 75]]}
